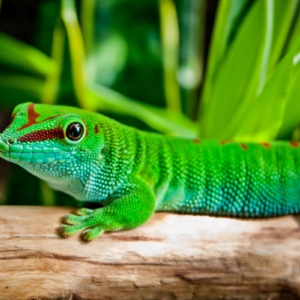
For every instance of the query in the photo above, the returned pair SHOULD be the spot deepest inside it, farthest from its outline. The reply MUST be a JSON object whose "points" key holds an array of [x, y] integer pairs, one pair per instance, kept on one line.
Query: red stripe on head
{"points": [[32, 116], [42, 135]]}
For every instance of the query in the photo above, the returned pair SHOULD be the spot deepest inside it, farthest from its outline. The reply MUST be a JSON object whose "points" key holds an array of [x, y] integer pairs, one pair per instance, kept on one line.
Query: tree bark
{"points": [[170, 257]]}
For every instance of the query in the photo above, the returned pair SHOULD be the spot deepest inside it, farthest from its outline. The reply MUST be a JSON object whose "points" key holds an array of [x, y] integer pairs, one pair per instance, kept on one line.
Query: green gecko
{"points": [[132, 173]]}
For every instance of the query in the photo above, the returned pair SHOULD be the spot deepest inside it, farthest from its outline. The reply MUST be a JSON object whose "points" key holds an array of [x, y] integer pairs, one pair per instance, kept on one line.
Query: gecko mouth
{"points": [[36, 155], [36, 158]]}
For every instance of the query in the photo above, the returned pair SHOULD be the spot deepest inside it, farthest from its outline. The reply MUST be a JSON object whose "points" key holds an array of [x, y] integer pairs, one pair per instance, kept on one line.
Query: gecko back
{"points": [[225, 178]]}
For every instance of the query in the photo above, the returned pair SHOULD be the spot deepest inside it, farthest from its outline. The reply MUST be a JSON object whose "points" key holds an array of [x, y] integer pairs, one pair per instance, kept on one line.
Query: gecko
{"points": [[129, 174]]}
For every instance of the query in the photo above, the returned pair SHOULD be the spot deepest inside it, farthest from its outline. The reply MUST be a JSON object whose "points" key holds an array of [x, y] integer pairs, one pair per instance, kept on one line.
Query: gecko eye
{"points": [[75, 131]]}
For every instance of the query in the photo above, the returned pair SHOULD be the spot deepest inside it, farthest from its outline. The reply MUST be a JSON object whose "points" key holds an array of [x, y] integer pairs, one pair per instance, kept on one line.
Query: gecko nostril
{"points": [[10, 141]]}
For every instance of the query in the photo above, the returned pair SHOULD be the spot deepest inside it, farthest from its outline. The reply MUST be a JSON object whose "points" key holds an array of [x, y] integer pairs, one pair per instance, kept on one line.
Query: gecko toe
{"points": [[91, 234], [84, 211], [69, 230], [73, 219]]}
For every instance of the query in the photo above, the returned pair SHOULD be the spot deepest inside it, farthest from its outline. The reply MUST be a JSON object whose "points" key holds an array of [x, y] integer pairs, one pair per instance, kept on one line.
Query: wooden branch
{"points": [[170, 257]]}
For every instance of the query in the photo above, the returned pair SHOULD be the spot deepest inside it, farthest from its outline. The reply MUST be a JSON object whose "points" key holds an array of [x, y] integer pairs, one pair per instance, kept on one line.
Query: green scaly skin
{"points": [[134, 173]]}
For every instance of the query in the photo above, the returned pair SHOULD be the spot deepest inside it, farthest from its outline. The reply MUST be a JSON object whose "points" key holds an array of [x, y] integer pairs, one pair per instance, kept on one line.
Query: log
{"points": [[170, 257]]}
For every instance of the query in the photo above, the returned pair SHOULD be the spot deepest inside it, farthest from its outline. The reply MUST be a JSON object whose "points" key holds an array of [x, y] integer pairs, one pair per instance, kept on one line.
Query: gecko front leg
{"points": [[132, 206]]}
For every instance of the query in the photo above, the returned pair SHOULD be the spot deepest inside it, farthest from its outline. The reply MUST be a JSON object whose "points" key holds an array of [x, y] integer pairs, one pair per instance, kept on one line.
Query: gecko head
{"points": [[42, 138]]}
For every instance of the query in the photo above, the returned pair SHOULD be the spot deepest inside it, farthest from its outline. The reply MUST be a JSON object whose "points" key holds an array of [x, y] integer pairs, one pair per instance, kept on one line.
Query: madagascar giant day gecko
{"points": [[132, 173]]}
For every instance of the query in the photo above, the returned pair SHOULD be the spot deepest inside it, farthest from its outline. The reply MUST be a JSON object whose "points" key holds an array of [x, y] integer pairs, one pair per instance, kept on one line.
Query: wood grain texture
{"points": [[170, 257]]}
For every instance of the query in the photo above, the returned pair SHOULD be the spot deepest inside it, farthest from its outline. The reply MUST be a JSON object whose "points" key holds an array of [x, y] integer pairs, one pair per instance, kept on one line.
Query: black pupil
{"points": [[74, 131]]}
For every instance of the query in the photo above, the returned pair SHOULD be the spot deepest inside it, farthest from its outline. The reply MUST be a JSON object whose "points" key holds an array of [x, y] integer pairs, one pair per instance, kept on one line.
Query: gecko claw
{"points": [[69, 230], [61, 231], [83, 220], [74, 219], [92, 233], [84, 211]]}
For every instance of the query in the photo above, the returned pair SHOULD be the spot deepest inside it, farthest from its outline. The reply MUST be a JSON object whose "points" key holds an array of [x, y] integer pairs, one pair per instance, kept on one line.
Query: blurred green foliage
{"points": [[154, 65], [250, 85]]}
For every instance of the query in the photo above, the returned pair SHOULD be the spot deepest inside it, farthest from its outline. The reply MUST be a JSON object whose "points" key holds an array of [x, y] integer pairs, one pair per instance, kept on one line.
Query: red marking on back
{"points": [[196, 141], [294, 144], [96, 129], [224, 142], [266, 144], [244, 146], [42, 135]]}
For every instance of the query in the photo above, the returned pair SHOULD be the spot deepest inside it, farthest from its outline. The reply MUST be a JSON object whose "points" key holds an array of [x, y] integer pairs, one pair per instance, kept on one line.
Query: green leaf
{"points": [[242, 74], [20, 56], [88, 22], [76, 45], [266, 115], [170, 49], [106, 60], [295, 26], [228, 19], [53, 79], [291, 117], [284, 14], [15, 89], [104, 99]]}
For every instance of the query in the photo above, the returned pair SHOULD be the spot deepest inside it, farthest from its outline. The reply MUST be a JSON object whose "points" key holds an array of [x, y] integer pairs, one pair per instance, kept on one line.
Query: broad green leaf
{"points": [[258, 76], [265, 117], [104, 99], [228, 21], [291, 117], [284, 13], [295, 26], [242, 74], [21, 56]]}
